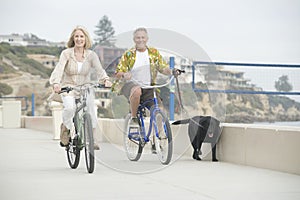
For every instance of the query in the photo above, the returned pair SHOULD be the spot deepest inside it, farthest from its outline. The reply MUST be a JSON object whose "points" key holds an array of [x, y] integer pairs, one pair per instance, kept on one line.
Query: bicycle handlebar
{"points": [[175, 73], [78, 87]]}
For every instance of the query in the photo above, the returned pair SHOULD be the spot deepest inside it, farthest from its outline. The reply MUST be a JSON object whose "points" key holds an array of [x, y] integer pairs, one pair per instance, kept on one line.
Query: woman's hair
{"points": [[88, 41]]}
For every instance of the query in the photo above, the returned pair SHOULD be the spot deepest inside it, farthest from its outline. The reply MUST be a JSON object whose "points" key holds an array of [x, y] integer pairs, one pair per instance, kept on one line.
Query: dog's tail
{"points": [[183, 121]]}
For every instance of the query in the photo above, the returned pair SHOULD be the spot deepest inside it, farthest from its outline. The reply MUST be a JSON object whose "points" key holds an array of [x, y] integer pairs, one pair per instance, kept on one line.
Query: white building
{"points": [[28, 39], [14, 40]]}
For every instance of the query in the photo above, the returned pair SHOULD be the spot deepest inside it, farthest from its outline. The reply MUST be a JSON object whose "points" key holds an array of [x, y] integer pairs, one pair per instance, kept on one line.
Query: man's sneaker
{"points": [[153, 149], [134, 128], [64, 135], [134, 122]]}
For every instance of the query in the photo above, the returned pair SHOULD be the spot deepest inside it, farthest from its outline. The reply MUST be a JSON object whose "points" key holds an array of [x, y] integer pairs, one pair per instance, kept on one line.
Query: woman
{"points": [[74, 68]]}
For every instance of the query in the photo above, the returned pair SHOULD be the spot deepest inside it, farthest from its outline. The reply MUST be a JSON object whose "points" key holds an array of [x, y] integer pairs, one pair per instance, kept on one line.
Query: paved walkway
{"points": [[33, 166]]}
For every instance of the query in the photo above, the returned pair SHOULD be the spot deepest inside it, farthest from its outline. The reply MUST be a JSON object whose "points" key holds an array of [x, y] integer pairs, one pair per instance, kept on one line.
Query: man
{"points": [[138, 67]]}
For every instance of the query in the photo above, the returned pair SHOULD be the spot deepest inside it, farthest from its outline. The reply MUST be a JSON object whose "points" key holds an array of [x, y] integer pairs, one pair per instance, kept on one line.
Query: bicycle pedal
{"points": [[134, 129], [134, 136]]}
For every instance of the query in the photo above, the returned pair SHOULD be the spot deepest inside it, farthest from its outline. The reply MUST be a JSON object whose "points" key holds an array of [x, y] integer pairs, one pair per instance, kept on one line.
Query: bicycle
{"points": [[135, 138], [83, 135]]}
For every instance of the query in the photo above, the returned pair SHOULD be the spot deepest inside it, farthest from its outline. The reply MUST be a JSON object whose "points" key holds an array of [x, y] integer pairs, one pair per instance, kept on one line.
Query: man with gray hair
{"points": [[138, 67]]}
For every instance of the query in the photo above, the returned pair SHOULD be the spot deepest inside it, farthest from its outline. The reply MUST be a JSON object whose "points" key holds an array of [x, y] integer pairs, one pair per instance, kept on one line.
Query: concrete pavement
{"points": [[33, 166]]}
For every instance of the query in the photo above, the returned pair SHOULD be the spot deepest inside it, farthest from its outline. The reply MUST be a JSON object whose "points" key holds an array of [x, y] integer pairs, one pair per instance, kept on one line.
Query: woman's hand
{"points": [[56, 88]]}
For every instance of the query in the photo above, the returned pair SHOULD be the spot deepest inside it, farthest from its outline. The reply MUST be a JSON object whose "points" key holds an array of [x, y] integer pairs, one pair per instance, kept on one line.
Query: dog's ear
{"points": [[183, 121], [216, 120], [176, 122]]}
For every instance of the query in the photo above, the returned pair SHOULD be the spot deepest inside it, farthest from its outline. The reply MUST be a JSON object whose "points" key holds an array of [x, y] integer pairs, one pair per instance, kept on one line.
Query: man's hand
{"points": [[126, 75], [123, 75], [167, 71], [107, 83], [176, 72]]}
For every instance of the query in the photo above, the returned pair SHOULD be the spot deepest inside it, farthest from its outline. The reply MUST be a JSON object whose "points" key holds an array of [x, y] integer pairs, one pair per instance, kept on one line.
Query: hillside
{"points": [[249, 108], [26, 76]]}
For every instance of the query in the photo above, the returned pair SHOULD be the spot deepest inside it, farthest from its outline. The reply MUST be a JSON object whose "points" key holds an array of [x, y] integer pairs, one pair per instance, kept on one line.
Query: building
{"points": [[108, 55], [103, 97], [219, 76], [28, 39], [13, 40], [48, 61], [234, 78]]}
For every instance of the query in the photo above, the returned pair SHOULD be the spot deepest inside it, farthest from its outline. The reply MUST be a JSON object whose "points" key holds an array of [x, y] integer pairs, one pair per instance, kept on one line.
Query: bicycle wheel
{"points": [[132, 141], [163, 140], [73, 153], [89, 143]]}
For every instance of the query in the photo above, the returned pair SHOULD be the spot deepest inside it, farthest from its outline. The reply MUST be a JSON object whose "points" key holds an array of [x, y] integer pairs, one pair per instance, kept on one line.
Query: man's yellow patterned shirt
{"points": [[157, 64]]}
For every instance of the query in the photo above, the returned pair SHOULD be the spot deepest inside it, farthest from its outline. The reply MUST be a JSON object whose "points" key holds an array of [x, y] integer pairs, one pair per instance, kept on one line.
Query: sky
{"points": [[228, 30], [255, 31]]}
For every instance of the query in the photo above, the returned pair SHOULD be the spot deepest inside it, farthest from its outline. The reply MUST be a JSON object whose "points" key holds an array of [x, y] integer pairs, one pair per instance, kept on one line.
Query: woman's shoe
{"points": [[64, 135], [96, 147]]}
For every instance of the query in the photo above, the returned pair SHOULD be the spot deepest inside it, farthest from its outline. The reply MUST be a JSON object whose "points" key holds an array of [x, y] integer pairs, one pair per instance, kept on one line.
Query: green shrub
{"points": [[5, 89]]}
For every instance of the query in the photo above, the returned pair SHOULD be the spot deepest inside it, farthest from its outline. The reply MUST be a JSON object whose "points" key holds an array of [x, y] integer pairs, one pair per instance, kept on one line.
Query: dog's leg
{"points": [[196, 155], [197, 148], [194, 141], [214, 149]]}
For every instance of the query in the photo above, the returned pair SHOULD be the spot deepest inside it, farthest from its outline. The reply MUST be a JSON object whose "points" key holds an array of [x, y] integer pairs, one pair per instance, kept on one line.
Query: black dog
{"points": [[202, 129]]}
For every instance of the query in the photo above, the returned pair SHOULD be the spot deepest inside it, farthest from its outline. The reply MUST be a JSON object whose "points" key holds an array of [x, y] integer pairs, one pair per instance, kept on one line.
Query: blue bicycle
{"points": [[135, 138]]}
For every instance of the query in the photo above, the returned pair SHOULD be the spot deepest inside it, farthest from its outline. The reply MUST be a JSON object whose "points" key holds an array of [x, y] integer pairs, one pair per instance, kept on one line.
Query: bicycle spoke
{"points": [[73, 153], [89, 143], [132, 145], [163, 140]]}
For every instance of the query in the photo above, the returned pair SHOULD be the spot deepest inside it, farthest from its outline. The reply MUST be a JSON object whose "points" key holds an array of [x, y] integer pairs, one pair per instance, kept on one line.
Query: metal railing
{"points": [[242, 65]]}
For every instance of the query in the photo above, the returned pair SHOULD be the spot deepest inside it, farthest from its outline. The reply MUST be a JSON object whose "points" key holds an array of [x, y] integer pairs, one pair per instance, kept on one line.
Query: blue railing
{"points": [[243, 65], [247, 64]]}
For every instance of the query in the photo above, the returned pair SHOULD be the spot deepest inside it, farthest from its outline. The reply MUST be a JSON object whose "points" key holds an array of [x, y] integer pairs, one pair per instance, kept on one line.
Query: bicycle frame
{"points": [[152, 110], [78, 119], [136, 137], [81, 105]]}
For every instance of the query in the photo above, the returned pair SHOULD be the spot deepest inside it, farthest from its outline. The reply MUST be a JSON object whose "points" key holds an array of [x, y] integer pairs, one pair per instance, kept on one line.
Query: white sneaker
{"points": [[134, 122]]}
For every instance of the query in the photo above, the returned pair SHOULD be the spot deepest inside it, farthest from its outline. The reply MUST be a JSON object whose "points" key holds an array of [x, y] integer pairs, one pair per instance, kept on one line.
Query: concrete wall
{"points": [[269, 147], [1, 118], [10, 114], [41, 123]]}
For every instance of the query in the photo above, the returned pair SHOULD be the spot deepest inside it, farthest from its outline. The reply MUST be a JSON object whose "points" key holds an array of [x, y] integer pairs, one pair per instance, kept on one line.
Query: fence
{"points": [[243, 65], [222, 78]]}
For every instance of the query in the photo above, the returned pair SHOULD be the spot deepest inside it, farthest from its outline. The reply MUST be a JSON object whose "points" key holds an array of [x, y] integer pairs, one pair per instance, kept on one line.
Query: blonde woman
{"points": [[76, 63]]}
